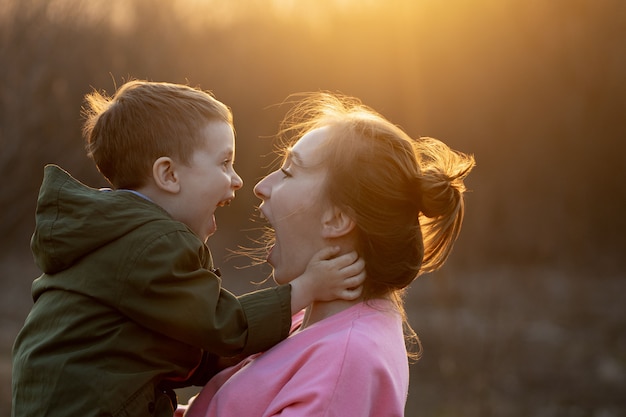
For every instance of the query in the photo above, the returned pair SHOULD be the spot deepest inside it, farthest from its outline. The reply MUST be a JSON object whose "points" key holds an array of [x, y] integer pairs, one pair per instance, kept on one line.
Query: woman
{"points": [[352, 179]]}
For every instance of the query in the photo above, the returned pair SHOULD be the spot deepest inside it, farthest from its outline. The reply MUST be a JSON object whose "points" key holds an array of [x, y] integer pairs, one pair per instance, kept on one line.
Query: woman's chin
{"points": [[269, 258], [283, 273], [282, 276], [278, 279]]}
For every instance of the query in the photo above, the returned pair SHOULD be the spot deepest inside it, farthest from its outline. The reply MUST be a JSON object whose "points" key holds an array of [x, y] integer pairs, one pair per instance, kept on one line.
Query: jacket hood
{"points": [[72, 219]]}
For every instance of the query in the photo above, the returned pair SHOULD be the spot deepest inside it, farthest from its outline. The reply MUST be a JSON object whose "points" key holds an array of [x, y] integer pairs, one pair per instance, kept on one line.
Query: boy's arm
{"points": [[268, 314], [167, 290], [328, 278], [170, 289]]}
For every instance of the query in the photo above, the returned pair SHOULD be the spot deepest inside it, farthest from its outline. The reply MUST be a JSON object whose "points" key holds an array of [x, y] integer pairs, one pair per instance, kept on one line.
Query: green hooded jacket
{"points": [[127, 304]]}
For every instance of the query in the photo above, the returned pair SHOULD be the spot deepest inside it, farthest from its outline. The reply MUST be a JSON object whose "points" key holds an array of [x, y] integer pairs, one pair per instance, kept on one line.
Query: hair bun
{"points": [[441, 180], [439, 196]]}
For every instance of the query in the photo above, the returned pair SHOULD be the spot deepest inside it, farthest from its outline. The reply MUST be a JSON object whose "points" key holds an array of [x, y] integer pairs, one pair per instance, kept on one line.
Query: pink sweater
{"points": [[353, 363]]}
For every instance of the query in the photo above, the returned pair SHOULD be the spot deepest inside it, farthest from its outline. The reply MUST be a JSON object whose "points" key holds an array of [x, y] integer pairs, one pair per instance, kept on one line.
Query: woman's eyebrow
{"points": [[294, 157]]}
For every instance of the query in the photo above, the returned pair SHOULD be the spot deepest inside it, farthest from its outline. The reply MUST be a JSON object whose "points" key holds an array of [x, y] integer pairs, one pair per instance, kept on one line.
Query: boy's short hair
{"points": [[143, 121]]}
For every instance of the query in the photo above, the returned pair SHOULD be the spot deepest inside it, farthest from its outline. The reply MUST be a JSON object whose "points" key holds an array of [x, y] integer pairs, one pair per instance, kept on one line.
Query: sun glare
{"points": [[219, 11], [315, 14]]}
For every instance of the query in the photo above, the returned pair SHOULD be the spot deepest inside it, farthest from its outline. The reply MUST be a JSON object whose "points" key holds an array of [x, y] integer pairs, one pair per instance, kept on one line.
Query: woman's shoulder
{"points": [[370, 349], [363, 330], [378, 325]]}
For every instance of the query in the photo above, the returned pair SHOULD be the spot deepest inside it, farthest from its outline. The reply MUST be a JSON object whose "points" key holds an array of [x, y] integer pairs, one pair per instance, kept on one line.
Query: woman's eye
{"points": [[285, 172]]}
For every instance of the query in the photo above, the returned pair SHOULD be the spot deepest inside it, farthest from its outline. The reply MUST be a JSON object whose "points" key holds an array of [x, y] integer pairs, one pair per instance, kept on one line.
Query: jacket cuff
{"points": [[268, 313]]}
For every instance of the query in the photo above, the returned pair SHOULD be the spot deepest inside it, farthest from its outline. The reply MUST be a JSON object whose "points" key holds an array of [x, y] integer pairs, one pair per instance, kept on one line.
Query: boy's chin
{"points": [[211, 229]]}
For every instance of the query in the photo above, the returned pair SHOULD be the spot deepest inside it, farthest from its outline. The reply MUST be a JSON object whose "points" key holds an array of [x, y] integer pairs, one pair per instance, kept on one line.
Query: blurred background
{"points": [[528, 318]]}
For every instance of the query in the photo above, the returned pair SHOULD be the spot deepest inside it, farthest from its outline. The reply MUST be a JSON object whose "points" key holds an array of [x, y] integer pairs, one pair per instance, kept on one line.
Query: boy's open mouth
{"points": [[224, 203]]}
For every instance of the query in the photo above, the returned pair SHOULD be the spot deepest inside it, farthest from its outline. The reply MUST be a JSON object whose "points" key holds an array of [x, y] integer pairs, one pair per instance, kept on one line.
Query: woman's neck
{"points": [[320, 310]]}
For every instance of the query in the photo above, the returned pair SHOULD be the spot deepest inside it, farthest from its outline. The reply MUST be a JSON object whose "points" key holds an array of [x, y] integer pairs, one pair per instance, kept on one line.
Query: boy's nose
{"points": [[236, 181]]}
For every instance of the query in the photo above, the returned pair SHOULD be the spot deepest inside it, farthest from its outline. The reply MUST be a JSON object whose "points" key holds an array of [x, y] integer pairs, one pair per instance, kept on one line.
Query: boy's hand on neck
{"points": [[328, 277]]}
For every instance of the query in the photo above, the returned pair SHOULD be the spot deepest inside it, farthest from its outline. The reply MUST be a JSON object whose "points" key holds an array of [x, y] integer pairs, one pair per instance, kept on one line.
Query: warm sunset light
{"points": [[195, 13], [527, 319]]}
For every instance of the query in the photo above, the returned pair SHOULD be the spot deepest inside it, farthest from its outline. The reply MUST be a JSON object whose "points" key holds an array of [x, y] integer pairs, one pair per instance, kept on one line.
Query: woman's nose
{"points": [[262, 188]]}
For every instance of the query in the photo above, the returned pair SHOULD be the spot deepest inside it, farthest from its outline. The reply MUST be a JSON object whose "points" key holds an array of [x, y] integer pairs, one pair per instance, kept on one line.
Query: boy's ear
{"points": [[336, 223], [165, 175]]}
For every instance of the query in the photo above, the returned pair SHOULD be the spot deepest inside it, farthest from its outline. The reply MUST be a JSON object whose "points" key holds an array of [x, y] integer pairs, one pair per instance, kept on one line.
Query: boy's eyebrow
{"points": [[229, 153]]}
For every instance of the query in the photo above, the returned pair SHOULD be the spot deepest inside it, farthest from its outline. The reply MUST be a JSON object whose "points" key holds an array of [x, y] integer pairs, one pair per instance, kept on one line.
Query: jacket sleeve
{"points": [[166, 286]]}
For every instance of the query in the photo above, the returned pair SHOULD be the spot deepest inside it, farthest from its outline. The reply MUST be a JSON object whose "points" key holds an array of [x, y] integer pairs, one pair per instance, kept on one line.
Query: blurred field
{"points": [[528, 317], [506, 342]]}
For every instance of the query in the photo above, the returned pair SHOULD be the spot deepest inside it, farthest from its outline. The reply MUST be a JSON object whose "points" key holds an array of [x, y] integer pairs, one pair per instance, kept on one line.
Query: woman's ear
{"points": [[165, 175], [336, 223]]}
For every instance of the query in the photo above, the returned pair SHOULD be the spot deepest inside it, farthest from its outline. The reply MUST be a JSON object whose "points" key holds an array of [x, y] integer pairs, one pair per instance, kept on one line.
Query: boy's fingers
{"points": [[354, 268], [355, 281], [351, 293], [346, 259], [327, 253]]}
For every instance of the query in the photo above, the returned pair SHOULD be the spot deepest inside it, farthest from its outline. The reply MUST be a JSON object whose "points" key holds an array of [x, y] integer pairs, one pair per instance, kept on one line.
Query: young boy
{"points": [[129, 305]]}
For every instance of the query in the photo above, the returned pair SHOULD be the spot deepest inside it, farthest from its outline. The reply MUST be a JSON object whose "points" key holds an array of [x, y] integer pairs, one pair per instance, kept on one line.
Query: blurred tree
{"points": [[533, 88]]}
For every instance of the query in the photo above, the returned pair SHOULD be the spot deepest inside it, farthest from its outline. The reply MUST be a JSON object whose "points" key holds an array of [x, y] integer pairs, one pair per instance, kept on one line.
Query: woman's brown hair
{"points": [[405, 195]]}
